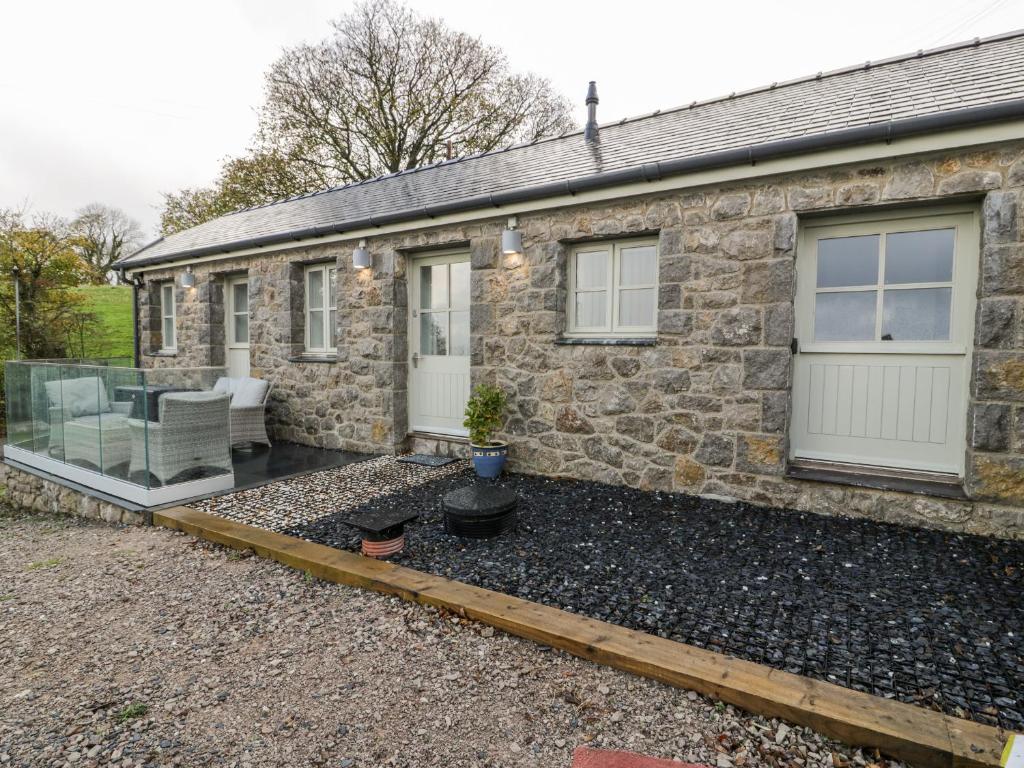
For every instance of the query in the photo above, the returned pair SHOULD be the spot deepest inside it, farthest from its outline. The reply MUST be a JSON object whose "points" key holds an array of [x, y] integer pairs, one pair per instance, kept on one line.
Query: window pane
{"points": [[846, 316], [316, 329], [333, 328], [315, 289], [168, 332], [460, 333], [592, 269], [434, 286], [636, 308], [591, 310], [434, 333], [460, 287], [846, 261], [917, 314], [167, 300], [241, 329], [332, 290], [638, 266], [240, 297], [919, 257]]}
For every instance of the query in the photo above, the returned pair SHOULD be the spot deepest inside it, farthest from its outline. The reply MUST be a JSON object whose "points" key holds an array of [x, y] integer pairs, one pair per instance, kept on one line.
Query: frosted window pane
{"points": [[460, 286], [460, 333], [919, 257], [240, 297], [846, 261], [591, 310], [638, 266], [315, 297], [333, 328], [316, 329], [241, 329], [916, 314], [636, 308], [168, 331], [434, 286], [592, 269], [845, 316], [167, 300], [434, 333], [332, 290]]}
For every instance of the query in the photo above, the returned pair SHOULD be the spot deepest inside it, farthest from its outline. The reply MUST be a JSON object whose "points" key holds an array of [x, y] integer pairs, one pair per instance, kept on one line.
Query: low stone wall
{"points": [[28, 491]]}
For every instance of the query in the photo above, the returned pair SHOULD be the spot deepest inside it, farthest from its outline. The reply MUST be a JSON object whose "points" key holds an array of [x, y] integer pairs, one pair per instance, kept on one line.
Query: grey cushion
{"points": [[80, 397], [249, 392]]}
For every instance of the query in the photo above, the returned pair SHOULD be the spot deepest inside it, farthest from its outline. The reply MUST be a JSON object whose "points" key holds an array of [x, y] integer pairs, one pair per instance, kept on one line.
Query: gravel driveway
{"points": [[139, 646]]}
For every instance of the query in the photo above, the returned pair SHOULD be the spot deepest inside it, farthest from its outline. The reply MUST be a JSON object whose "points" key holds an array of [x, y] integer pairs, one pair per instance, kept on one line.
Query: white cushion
{"points": [[249, 392], [81, 397], [225, 385]]}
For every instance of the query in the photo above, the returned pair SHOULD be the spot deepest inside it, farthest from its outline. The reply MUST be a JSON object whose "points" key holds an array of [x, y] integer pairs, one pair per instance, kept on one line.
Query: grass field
{"points": [[112, 305]]}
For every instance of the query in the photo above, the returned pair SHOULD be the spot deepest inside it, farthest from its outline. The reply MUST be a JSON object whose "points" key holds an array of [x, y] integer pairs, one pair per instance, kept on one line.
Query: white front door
{"points": [[885, 321], [439, 344], [236, 325]]}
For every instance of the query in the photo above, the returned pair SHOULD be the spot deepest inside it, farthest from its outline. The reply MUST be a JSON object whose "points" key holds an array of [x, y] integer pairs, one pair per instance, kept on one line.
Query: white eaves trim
{"points": [[913, 145]]}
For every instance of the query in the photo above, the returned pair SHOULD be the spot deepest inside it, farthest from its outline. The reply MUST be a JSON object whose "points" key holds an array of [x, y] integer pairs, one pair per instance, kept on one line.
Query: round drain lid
{"points": [[480, 511]]}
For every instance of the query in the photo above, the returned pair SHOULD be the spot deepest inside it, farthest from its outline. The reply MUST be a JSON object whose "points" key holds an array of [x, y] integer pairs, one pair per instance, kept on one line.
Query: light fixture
{"points": [[188, 279], [512, 238], [361, 257]]}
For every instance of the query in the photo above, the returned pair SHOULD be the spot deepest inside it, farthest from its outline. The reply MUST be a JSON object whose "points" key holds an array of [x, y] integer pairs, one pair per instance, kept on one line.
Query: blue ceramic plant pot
{"points": [[489, 460]]}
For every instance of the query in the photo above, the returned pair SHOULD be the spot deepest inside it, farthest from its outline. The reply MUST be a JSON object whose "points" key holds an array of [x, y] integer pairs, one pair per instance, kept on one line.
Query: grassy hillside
{"points": [[112, 305]]}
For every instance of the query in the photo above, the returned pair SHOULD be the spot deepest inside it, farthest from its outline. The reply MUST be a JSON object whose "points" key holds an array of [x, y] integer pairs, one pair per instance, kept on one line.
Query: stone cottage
{"points": [[808, 295]]}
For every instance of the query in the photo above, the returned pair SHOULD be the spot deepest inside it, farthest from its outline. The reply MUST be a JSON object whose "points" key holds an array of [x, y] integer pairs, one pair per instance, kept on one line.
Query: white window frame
{"points": [[168, 345], [611, 327], [330, 274]]}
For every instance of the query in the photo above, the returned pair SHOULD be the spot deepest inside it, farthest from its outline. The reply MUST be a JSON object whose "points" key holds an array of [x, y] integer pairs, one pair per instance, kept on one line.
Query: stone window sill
{"points": [[161, 353], [909, 482], [313, 359], [611, 341]]}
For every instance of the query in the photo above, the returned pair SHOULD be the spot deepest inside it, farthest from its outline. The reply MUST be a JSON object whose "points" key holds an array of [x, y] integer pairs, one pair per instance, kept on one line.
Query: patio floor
{"points": [[926, 617]]}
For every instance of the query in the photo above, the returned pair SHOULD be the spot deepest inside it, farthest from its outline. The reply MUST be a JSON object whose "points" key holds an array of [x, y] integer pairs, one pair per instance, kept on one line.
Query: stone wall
{"points": [[705, 410], [25, 490]]}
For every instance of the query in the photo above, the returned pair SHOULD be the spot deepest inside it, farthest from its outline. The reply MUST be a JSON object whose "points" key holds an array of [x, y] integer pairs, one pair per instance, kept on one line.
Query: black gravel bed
{"points": [[930, 618]]}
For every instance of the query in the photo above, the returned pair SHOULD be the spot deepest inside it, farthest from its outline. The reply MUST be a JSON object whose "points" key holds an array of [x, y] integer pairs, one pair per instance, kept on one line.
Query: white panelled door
{"points": [[885, 320], [439, 344], [236, 325]]}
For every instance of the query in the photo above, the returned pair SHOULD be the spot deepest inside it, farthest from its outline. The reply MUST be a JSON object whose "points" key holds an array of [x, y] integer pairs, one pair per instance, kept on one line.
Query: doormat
{"points": [[585, 757], [427, 461]]}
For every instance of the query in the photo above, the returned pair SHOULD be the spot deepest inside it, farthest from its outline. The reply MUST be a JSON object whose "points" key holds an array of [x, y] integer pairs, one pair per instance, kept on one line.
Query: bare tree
{"points": [[387, 91], [104, 234]]}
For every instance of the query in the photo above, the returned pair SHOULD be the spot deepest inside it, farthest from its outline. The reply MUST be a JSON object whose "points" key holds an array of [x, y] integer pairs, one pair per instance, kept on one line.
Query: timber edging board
{"points": [[919, 736]]}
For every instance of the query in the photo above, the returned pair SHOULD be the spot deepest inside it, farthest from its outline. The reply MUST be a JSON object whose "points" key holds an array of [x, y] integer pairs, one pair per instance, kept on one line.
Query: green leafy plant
{"points": [[131, 711], [485, 413]]}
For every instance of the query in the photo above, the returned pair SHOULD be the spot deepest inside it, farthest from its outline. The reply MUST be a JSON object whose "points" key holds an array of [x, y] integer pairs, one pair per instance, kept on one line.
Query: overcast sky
{"points": [[117, 102]]}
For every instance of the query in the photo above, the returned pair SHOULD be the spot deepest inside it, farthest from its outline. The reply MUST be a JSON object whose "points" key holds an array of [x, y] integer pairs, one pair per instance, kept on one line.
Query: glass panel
{"points": [[433, 333], [916, 314], [636, 308], [919, 257], [460, 333], [315, 289], [168, 332], [434, 286], [240, 297], [332, 289], [18, 379], [638, 266], [460, 287], [333, 328], [591, 310], [241, 329], [844, 261], [316, 329], [847, 316], [592, 269], [167, 300]]}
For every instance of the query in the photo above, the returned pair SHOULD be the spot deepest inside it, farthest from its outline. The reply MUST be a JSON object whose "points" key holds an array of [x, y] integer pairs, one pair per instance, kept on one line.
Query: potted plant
{"points": [[485, 413]]}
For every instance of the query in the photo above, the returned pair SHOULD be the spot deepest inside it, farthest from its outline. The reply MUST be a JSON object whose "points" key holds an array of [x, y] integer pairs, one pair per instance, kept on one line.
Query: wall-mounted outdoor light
{"points": [[512, 238], [361, 257], [188, 279]]}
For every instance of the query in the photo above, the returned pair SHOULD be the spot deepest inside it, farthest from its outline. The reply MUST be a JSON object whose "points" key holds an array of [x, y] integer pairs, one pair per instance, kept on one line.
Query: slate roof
{"points": [[977, 74]]}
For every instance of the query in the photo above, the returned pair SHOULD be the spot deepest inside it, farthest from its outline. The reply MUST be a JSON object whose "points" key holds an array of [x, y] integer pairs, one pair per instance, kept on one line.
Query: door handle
{"points": [[794, 345], [415, 359]]}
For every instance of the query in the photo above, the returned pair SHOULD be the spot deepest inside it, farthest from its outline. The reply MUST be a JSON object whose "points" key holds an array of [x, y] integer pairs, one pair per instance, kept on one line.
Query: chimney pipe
{"points": [[590, 132]]}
